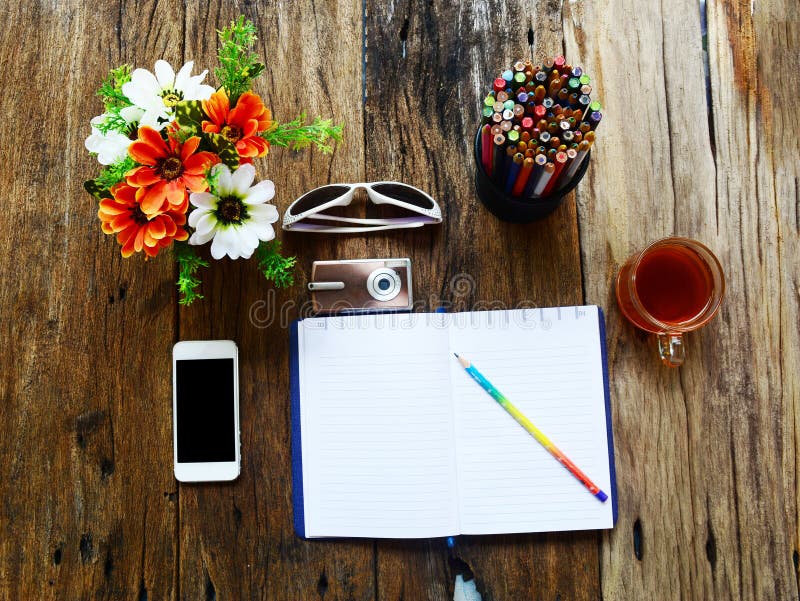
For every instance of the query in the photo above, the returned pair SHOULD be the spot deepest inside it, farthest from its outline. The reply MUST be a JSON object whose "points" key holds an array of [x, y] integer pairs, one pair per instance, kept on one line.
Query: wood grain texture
{"points": [[237, 540], [428, 66], [706, 455], [87, 505]]}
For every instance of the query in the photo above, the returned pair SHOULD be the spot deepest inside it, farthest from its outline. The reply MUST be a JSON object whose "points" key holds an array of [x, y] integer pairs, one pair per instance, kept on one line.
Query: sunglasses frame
{"points": [[290, 222]]}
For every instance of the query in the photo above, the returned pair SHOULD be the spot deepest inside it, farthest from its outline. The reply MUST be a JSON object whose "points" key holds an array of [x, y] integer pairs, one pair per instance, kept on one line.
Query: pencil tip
{"points": [[456, 354]]}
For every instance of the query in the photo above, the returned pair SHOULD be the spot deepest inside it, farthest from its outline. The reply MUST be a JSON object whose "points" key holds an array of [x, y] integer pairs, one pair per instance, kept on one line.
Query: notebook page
{"points": [[548, 363], [377, 427]]}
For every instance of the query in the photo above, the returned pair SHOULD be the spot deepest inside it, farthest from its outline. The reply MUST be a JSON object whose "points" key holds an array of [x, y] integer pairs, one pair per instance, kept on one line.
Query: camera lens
{"points": [[384, 284]]}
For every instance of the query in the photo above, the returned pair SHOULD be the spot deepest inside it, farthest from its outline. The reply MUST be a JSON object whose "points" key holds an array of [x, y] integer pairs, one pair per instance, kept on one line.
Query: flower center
{"points": [[171, 168], [171, 97], [133, 131], [231, 210], [138, 216], [232, 133]]}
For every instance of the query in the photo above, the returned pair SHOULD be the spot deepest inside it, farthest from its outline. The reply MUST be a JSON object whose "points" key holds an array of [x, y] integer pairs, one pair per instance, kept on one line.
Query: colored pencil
{"points": [[544, 178], [514, 168], [537, 125], [560, 162], [486, 149], [498, 157], [537, 434], [583, 150], [522, 178]]}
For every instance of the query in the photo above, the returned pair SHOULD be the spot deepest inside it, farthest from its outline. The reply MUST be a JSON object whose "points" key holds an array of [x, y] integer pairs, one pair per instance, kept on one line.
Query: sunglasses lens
{"points": [[405, 194], [317, 197]]}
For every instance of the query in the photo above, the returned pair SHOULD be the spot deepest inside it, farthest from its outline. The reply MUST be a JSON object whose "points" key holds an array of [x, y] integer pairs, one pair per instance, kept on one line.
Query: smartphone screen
{"points": [[205, 411]]}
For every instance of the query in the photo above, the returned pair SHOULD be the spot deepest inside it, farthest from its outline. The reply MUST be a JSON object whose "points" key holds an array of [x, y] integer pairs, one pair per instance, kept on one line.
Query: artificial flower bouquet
{"points": [[177, 160]]}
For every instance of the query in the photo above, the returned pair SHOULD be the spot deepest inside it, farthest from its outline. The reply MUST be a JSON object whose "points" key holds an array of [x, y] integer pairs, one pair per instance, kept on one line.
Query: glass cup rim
{"points": [[708, 312]]}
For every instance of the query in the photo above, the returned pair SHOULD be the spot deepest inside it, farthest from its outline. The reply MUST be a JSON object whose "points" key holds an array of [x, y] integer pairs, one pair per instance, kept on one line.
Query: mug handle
{"points": [[670, 348]]}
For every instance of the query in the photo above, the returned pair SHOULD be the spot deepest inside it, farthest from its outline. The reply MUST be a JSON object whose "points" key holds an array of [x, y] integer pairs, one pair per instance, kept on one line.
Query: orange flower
{"points": [[122, 215], [239, 125], [168, 169]]}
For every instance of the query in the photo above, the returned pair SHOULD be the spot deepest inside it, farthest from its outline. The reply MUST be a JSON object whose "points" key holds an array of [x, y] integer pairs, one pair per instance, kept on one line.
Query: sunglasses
{"points": [[306, 213]]}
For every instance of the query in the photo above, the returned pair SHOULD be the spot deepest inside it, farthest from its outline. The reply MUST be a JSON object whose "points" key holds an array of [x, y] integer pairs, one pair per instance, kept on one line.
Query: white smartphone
{"points": [[205, 410]]}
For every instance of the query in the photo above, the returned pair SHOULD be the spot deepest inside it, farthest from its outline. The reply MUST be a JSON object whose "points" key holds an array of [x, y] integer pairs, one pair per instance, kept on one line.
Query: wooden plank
{"points": [[706, 455], [237, 540], [428, 65], [88, 510]]}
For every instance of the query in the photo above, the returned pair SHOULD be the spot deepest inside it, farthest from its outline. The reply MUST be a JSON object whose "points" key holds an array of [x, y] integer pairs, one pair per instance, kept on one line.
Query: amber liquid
{"points": [[674, 284]]}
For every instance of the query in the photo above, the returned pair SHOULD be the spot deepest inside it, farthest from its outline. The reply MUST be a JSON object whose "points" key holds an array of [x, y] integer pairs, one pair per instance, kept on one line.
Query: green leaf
{"points": [[189, 113], [225, 149], [96, 190]]}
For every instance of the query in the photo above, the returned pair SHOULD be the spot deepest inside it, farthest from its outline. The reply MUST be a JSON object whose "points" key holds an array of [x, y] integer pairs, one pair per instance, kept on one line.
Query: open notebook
{"points": [[391, 438]]}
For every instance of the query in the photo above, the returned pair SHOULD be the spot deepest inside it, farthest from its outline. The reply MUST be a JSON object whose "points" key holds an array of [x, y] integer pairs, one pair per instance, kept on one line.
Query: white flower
{"points": [[157, 94], [237, 216], [112, 146]]}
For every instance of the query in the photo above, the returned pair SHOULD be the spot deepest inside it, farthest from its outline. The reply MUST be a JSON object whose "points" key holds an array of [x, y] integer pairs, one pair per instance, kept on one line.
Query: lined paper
{"points": [[399, 442], [548, 363], [377, 427]]}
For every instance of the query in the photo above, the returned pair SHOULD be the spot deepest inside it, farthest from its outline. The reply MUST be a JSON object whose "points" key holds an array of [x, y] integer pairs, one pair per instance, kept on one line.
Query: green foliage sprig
{"points": [[298, 134], [110, 174], [274, 266], [189, 262], [238, 64], [110, 92]]}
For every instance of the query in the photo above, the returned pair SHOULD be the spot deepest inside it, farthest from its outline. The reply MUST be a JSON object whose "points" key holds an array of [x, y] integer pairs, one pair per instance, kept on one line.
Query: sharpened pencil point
{"points": [[456, 354]]}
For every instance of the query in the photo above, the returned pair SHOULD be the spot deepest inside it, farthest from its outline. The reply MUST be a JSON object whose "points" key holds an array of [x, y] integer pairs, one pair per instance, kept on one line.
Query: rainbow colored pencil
{"points": [[523, 421]]}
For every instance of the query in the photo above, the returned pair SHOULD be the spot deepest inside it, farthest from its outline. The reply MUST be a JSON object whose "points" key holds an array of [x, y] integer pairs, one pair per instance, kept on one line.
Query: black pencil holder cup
{"points": [[519, 210]]}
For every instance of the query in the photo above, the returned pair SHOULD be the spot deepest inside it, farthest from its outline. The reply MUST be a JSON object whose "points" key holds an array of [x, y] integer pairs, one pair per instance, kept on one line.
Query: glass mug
{"points": [[673, 286]]}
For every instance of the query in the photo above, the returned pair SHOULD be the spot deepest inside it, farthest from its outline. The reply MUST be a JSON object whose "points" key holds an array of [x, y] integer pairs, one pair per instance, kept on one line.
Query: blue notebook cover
{"points": [[297, 447], [601, 318]]}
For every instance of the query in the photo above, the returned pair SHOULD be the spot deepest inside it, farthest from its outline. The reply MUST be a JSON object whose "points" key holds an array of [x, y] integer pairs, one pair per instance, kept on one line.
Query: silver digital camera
{"points": [[361, 286]]}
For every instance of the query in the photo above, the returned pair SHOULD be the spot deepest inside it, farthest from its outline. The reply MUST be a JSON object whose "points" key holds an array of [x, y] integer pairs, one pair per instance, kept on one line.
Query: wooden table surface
{"points": [[706, 455]]}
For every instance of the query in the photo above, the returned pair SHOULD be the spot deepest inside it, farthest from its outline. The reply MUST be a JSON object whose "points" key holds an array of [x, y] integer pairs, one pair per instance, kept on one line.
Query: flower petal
{"points": [[205, 223], [175, 192], [217, 108], [165, 75], [195, 183], [197, 238], [248, 238], [142, 88], [156, 228], [149, 147], [138, 241], [241, 179], [183, 78], [204, 200], [264, 213], [260, 193], [189, 146], [131, 114], [153, 198], [142, 176], [219, 247], [263, 230], [199, 162], [224, 181]]}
